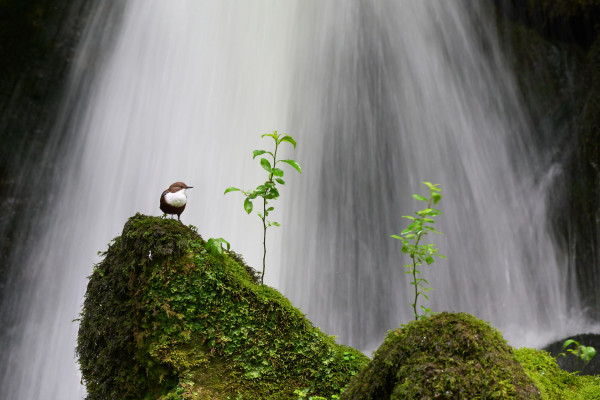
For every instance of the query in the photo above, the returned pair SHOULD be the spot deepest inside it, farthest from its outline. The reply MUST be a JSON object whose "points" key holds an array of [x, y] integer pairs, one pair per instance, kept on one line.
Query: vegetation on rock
{"points": [[553, 382], [164, 319], [446, 356]]}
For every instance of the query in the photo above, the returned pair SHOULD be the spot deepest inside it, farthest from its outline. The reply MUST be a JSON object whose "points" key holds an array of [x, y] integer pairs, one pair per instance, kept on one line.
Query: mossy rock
{"points": [[446, 356], [553, 382], [164, 319]]}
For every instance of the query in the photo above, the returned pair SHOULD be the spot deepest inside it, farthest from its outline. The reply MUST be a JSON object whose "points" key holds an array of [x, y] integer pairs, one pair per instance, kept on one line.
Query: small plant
{"points": [[420, 253], [584, 353], [268, 190], [215, 246]]}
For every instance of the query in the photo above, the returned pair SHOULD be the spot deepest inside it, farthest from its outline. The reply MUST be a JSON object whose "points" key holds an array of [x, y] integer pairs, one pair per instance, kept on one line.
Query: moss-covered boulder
{"points": [[163, 319], [553, 382], [446, 356]]}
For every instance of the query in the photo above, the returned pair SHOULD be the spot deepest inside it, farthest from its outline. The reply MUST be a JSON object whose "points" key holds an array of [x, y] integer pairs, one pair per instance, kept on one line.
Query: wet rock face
{"points": [[38, 40], [447, 356], [555, 47]]}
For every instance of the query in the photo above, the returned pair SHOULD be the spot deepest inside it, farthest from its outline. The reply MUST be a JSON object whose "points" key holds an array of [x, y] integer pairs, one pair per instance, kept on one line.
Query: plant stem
{"points": [[414, 269], [414, 274], [264, 218]]}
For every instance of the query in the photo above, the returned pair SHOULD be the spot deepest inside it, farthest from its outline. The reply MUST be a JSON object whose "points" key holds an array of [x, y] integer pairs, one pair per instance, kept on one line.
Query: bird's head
{"points": [[177, 186]]}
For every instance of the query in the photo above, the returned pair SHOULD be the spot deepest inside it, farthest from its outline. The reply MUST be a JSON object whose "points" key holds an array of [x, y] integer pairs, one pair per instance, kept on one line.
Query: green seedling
{"points": [[268, 191], [420, 253]]}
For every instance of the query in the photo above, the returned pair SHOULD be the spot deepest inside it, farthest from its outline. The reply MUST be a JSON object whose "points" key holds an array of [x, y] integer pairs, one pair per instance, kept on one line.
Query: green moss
{"points": [[553, 382], [447, 356], [164, 319]]}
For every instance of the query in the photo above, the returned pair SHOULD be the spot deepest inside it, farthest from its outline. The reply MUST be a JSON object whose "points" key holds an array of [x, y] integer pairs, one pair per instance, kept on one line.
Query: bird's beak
{"points": [[189, 187]]}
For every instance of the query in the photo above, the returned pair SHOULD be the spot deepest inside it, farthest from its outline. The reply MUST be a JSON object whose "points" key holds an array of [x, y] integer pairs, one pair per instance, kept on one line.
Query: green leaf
{"points": [[232, 189], [433, 187], [272, 195], [265, 164], [274, 135], [277, 172], [415, 226], [252, 374], [419, 197], [289, 139], [275, 224], [429, 260], [293, 164], [587, 353], [257, 153], [280, 181], [248, 205], [570, 341], [215, 246], [436, 197], [396, 237]]}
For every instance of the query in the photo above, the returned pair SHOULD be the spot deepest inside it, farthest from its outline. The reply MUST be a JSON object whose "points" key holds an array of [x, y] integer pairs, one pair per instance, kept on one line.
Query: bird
{"points": [[174, 199]]}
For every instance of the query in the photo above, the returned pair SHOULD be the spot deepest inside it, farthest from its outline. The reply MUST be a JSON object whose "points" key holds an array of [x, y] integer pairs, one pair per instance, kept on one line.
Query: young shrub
{"points": [[268, 190], [421, 253]]}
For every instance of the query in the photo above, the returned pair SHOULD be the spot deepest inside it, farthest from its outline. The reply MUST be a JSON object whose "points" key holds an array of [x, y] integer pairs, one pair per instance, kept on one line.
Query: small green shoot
{"points": [[584, 353], [419, 253], [268, 190], [214, 246]]}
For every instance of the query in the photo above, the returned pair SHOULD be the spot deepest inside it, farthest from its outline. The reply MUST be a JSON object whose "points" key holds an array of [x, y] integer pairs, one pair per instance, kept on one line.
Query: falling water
{"points": [[390, 94], [379, 95], [182, 92]]}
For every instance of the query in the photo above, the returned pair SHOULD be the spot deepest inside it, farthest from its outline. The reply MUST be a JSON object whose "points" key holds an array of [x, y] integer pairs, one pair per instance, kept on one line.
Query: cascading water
{"points": [[379, 95], [182, 93], [392, 94]]}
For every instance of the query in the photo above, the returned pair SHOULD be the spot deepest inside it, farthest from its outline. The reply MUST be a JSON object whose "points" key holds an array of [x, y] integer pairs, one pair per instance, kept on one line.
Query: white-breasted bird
{"points": [[174, 199]]}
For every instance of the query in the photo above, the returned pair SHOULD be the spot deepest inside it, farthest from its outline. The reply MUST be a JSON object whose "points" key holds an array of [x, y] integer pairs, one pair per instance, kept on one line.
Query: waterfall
{"points": [[390, 94], [182, 92], [379, 96]]}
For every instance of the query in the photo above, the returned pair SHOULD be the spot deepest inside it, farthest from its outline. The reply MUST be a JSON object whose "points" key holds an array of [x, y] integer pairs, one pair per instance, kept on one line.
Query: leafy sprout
{"points": [[268, 191]]}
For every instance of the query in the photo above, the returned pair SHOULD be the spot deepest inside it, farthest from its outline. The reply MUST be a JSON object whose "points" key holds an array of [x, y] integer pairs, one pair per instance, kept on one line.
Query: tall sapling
{"points": [[268, 190], [420, 253]]}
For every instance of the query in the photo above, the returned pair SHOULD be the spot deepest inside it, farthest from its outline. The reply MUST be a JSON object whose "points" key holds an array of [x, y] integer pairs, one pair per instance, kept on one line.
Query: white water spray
{"points": [[182, 94], [397, 93], [379, 95]]}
